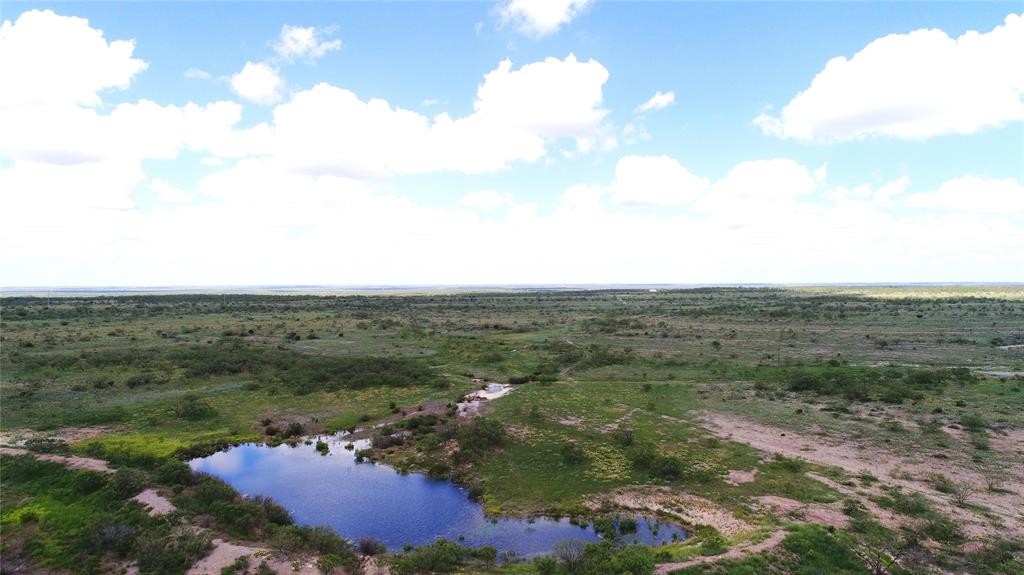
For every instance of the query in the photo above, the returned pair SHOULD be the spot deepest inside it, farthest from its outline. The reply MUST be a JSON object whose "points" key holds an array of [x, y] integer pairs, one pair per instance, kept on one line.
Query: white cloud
{"points": [[552, 98], [486, 200], [821, 173], [198, 74], [518, 114], [308, 43], [582, 240], [38, 69], [655, 181], [258, 82], [69, 197], [757, 189], [168, 192], [866, 196], [539, 18], [912, 86], [330, 130], [658, 101], [971, 194], [634, 132], [71, 134]]}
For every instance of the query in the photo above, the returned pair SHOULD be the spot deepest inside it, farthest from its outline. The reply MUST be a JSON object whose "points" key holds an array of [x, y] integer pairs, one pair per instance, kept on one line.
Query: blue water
{"points": [[494, 388], [371, 500]]}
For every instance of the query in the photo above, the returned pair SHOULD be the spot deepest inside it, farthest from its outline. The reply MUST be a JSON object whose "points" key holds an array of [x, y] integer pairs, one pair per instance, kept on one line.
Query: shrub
{"points": [[46, 445], [572, 453], [973, 422], [191, 408], [646, 456], [174, 472], [128, 483], [326, 564], [369, 546], [166, 551], [442, 556], [86, 482]]}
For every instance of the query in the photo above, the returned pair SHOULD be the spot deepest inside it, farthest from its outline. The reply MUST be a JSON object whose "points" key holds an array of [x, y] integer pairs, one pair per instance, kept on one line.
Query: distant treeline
{"points": [[298, 372]]}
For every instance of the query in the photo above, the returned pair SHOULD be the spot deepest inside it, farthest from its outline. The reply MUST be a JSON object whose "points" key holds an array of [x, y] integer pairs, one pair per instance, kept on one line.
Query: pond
{"points": [[372, 500]]}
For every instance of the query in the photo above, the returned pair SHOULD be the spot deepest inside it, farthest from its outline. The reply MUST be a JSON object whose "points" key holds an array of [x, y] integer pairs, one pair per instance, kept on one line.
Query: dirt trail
{"points": [[69, 461], [892, 468], [157, 504], [739, 552]]}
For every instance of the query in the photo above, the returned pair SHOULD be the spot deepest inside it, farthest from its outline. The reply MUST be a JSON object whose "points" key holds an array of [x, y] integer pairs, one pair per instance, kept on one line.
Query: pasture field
{"points": [[791, 430]]}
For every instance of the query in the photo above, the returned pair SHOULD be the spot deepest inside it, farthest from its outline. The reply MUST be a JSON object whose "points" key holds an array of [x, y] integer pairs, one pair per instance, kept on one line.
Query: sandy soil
{"points": [[157, 504], [884, 516], [738, 476], [689, 509], [69, 461], [1011, 441], [224, 554], [18, 437], [473, 403], [892, 468], [738, 552], [812, 512]]}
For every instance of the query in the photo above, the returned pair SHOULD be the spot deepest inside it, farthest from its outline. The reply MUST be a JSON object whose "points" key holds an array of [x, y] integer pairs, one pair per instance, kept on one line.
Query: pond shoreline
{"points": [[381, 502]]}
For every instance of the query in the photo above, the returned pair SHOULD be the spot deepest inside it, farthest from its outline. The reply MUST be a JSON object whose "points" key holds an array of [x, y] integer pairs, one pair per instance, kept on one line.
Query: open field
{"points": [[863, 424]]}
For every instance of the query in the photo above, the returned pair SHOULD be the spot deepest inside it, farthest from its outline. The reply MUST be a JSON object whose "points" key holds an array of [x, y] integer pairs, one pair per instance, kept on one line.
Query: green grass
{"points": [[169, 376]]}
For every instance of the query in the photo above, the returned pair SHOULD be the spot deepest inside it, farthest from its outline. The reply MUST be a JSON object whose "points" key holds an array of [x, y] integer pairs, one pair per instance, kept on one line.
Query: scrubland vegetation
{"points": [[827, 430]]}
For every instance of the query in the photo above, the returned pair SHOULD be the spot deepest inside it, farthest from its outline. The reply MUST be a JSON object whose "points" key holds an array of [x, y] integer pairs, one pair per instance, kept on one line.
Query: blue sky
{"points": [[917, 178]]}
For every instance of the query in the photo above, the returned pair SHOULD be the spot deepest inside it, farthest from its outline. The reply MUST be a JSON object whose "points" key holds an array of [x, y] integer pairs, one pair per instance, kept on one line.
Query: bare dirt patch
{"points": [[902, 470], [18, 437], [1002, 374], [738, 476], [738, 552], [156, 503], [1009, 441], [69, 461], [224, 554], [689, 509], [811, 512]]}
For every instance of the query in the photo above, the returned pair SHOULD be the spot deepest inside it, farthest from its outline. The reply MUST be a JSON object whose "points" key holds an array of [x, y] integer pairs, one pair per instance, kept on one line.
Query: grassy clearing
{"points": [[610, 390]]}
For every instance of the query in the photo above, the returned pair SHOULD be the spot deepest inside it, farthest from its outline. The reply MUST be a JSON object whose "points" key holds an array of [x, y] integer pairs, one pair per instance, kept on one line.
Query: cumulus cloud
{"points": [[486, 200], [583, 239], [552, 98], [308, 43], [38, 69], [518, 113], [539, 18], [654, 181], [143, 130], [69, 193], [658, 101], [972, 194], [330, 130], [912, 86], [258, 82]]}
